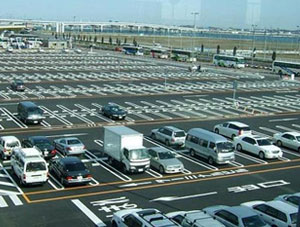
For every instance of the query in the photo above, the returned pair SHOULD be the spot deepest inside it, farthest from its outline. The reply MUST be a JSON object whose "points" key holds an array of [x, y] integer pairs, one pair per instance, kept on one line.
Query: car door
{"points": [[227, 218], [276, 217], [223, 130], [161, 134], [248, 144], [286, 140], [154, 159], [60, 144], [292, 142]]}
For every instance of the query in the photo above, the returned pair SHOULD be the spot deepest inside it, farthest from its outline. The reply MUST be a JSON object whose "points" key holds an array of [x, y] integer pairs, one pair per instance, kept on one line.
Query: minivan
{"points": [[29, 166], [30, 113], [211, 146], [7, 144]]}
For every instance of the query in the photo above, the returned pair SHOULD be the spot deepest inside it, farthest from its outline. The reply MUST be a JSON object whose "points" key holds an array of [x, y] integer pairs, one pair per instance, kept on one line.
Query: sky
{"points": [[210, 13]]}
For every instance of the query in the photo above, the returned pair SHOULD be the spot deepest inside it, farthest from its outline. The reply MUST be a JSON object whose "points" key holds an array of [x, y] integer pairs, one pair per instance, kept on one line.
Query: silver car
{"points": [[69, 146], [164, 160], [169, 135], [276, 213], [292, 199], [194, 218], [232, 129], [236, 216], [288, 139]]}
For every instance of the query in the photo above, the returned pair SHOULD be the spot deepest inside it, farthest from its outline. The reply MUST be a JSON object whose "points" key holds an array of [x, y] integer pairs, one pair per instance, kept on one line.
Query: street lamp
{"points": [[195, 14], [253, 40], [298, 28]]}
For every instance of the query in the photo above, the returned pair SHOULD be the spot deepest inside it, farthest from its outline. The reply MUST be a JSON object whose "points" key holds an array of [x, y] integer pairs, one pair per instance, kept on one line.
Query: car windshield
{"points": [[76, 166], [253, 221], [179, 134], [115, 109], [166, 155], [224, 147], [294, 218], [43, 142], [138, 154], [35, 110], [263, 142], [298, 138], [245, 128], [73, 142], [35, 166], [13, 144]]}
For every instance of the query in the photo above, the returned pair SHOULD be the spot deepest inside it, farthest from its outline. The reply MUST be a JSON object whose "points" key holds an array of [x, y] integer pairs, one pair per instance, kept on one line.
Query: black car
{"points": [[42, 144], [17, 85], [70, 170], [113, 111]]}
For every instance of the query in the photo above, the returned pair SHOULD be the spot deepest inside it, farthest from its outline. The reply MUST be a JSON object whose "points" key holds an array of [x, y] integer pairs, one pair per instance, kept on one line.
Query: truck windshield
{"points": [[138, 154], [35, 166], [224, 147]]}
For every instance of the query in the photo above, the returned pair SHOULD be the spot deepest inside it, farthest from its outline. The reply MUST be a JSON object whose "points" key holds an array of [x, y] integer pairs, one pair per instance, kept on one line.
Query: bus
{"points": [[183, 55], [133, 50], [159, 53], [288, 68], [229, 61]]}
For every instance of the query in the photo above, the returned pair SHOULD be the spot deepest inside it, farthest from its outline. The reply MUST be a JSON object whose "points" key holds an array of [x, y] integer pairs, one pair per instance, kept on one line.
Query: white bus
{"points": [[289, 68], [229, 61]]}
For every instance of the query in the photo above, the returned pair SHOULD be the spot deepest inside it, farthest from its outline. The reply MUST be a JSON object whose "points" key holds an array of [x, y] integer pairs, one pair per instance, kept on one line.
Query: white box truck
{"points": [[125, 146]]}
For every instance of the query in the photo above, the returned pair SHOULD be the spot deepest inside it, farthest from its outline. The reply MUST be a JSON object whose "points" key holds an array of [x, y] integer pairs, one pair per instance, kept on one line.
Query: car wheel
{"points": [[192, 151], [153, 136], [217, 131], [167, 142], [261, 155], [279, 143], [161, 169], [109, 161], [239, 147], [232, 137], [210, 161], [114, 224], [299, 149]]}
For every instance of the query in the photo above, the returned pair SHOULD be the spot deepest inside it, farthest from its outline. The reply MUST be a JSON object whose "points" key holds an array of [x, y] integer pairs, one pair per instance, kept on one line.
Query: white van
{"points": [[7, 144], [215, 148], [29, 166]]}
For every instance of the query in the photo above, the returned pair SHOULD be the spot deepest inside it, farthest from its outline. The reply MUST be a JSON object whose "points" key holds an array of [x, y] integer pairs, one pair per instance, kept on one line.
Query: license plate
{"points": [[140, 170], [35, 122], [79, 177], [120, 117]]}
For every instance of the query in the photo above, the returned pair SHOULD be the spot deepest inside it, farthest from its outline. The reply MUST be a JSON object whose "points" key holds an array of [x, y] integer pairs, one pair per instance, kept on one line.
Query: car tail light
{"points": [[69, 178], [84, 148], [4, 150], [172, 140], [53, 152], [89, 176], [240, 132], [69, 148], [24, 176], [48, 174]]}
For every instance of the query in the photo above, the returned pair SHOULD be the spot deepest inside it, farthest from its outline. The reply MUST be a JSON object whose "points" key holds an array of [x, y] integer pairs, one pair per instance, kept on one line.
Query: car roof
{"points": [[71, 159], [71, 138], [205, 134], [237, 123], [159, 149], [293, 133], [254, 137], [241, 211], [9, 138], [173, 128], [38, 137], [282, 206]]}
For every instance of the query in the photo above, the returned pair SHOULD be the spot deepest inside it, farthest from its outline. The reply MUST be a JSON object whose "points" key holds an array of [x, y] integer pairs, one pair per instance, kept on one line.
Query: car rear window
{"points": [[179, 134], [35, 166], [245, 128], [263, 142], [253, 221], [77, 166], [13, 144], [72, 142]]}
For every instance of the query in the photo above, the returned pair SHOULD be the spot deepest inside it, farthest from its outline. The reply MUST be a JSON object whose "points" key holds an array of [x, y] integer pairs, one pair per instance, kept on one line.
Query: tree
{"points": [[110, 40], [125, 40], [95, 39], [234, 51], [63, 36], [218, 49], [134, 42], [52, 33], [202, 48], [102, 40], [274, 55], [117, 41], [55, 35]]}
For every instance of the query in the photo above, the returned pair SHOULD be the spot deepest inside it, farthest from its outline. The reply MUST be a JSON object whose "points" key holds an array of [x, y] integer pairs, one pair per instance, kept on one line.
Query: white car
{"points": [[275, 213], [288, 139], [141, 217], [292, 199], [194, 218], [7, 144], [232, 129], [257, 145]]}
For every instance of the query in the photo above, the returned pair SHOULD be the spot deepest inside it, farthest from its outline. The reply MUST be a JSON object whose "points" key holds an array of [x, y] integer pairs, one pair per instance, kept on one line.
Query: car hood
{"points": [[270, 148], [170, 162], [120, 112]]}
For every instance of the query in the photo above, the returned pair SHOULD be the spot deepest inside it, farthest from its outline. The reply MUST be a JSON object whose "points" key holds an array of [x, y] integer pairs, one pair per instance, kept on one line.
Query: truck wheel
{"points": [[210, 161], [124, 169], [167, 142], [261, 155], [153, 136], [192, 153], [109, 161], [161, 169]]}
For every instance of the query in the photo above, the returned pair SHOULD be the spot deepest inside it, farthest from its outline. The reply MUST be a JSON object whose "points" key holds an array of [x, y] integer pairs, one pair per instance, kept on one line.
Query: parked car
{"points": [[141, 217], [17, 85], [194, 218], [232, 129], [164, 160], [169, 135], [30, 113], [70, 170], [276, 213], [42, 144], [7, 144], [292, 199], [240, 216], [69, 146], [288, 139], [113, 111], [257, 145]]}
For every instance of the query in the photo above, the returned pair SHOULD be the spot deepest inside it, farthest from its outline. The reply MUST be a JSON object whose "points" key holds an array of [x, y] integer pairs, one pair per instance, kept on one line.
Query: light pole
{"points": [[195, 14], [253, 41], [298, 28]]}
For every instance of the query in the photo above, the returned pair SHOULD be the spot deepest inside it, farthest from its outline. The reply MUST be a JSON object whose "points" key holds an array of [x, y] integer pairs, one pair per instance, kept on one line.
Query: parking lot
{"points": [[71, 89]]}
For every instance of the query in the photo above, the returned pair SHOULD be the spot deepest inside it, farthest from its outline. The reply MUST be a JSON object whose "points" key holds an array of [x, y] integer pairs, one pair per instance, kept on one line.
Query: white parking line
{"points": [[3, 202], [246, 156], [97, 221], [154, 173], [16, 200]]}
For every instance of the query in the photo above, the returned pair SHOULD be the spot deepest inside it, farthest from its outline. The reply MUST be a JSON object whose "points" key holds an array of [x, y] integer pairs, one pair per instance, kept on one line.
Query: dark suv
{"points": [[113, 111], [17, 85]]}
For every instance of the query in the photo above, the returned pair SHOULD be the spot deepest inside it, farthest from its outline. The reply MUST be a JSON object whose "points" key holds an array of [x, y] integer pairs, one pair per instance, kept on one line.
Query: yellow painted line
{"points": [[153, 178], [158, 185]]}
